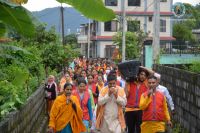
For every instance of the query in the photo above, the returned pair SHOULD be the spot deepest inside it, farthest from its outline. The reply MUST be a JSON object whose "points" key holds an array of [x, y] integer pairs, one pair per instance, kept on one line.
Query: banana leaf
{"points": [[17, 17], [2, 29], [93, 9]]}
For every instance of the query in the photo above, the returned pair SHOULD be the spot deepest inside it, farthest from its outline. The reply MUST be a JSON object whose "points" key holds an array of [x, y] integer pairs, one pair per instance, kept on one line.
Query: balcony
{"points": [[82, 39]]}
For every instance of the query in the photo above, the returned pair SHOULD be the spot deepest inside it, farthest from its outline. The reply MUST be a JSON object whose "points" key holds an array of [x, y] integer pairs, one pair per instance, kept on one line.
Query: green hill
{"points": [[51, 16]]}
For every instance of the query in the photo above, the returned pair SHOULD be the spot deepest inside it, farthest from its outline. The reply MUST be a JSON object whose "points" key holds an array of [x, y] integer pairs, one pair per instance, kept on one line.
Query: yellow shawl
{"points": [[61, 114]]}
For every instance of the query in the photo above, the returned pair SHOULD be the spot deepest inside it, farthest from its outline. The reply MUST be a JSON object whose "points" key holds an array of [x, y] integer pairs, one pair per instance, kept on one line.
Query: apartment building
{"points": [[101, 43]]}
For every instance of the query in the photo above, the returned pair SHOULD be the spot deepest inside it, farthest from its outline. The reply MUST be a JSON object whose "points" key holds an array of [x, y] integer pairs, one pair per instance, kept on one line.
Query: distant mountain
{"points": [[51, 16]]}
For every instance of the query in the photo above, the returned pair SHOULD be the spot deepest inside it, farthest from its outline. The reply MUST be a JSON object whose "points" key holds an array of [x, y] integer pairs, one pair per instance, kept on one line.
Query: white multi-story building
{"points": [[101, 44]]}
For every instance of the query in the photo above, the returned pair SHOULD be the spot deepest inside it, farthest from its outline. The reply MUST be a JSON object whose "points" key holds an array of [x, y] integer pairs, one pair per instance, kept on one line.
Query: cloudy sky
{"points": [[37, 5]]}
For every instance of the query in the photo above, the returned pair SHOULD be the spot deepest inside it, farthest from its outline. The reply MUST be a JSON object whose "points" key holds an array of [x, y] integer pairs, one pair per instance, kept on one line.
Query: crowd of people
{"points": [[93, 96]]}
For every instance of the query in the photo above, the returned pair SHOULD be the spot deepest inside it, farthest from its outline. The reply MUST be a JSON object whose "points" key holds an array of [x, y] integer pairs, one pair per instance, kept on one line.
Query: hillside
{"points": [[51, 16]]}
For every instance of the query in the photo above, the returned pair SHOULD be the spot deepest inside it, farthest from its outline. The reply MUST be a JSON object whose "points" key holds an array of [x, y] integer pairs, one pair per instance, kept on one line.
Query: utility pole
{"points": [[156, 36], [88, 38], [62, 22], [123, 31]]}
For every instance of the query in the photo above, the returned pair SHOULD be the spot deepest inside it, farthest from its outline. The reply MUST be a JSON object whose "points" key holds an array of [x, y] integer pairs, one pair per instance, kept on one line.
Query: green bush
{"points": [[195, 67], [25, 64]]}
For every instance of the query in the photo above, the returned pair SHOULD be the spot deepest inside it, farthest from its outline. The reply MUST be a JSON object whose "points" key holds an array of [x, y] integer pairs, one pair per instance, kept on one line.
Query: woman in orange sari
{"points": [[66, 114]]}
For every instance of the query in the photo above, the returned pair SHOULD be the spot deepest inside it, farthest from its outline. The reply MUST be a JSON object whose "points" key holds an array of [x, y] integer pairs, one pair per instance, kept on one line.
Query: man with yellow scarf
{"points": [[155, 111]]}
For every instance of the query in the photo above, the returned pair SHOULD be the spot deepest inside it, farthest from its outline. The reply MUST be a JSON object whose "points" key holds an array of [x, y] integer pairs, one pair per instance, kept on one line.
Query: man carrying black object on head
{"points": [[134, 89]]}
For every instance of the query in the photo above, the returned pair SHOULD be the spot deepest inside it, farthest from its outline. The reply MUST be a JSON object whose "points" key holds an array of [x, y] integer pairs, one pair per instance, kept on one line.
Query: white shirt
{"points": [[165, 91], [111, 112]]}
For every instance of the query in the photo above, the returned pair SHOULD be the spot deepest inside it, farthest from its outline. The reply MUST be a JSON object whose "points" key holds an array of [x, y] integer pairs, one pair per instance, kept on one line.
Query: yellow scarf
{"points": [[62, 113]]}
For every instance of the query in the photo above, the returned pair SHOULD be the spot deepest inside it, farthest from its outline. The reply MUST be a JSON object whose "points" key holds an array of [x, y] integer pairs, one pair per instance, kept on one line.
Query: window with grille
{"points": [[162, 25], [150, 18], [134, 2], [110, 2], [109, 49], [110, 26]]}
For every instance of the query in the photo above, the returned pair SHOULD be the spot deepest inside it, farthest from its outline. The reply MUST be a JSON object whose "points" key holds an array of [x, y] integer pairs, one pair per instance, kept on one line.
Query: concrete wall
{"points": [[24, 119], [185, 90]]}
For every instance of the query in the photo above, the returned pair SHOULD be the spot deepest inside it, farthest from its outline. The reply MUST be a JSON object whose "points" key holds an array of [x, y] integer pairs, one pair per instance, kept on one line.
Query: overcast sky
{"points": [[37, 5]]}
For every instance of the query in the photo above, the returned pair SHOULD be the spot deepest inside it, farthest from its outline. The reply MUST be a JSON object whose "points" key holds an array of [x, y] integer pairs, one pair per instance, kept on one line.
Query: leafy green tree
{"points": [[132, 48], [71, 40], [196, 15], [192, 13], [43, 36], [57, 57], [133, 25], [182, 31], [134, 40], [21, 72]]}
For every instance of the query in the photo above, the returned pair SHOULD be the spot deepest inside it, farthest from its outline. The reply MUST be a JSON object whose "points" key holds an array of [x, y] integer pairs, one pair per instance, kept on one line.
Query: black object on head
{"points": [[129, 69]]}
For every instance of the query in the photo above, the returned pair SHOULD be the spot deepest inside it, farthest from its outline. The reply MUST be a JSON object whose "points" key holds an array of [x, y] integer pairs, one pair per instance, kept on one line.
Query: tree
{"points": [[181, 31], [133, 25], [56, 57], [192, 13], [197, 16], [43, 36], [134, 40], [71, 40], [132, 48]]}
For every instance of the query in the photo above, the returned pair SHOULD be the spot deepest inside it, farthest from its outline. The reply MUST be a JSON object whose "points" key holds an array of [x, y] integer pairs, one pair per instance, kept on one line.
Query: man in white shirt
{"points": [[112, 98], [165, 91]]}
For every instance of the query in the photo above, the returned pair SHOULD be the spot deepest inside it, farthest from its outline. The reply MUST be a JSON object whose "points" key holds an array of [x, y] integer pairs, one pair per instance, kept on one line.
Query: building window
{"points": [[163, 0], [109, 49], [133, 26], [110, 2], [110, 26], [134, 2], [162, 25], [150, 18]]}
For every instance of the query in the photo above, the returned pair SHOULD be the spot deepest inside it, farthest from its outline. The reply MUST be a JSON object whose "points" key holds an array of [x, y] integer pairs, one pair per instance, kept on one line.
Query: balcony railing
{"points": [[82, 39], [181, 49]]}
